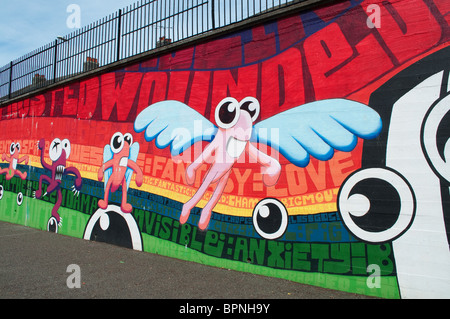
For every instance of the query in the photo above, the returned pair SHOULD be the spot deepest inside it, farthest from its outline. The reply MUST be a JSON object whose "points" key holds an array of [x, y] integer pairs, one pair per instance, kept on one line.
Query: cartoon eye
{"points": [[66, 146], [128, 138], [19, 199], [362, 204], [227, 113], [18, 147], [117, 142], [270, 218], [12, 148], [251, 105], [436, 137], [55, 150]]}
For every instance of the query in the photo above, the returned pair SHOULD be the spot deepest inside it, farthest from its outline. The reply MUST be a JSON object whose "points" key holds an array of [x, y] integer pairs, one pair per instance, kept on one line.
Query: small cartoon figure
{"points": [[119, 162], [13, 160], [59, 153]]}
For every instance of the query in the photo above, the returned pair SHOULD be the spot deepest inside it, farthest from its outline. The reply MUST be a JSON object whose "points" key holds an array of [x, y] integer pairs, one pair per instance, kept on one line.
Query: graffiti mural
{"points": [[312, 148]]}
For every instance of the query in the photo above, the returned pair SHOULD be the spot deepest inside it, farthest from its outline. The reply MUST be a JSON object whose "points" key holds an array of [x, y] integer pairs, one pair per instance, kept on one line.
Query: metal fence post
{"points": [[55, 60], [10, 79], [119, 34], [213, 9]]}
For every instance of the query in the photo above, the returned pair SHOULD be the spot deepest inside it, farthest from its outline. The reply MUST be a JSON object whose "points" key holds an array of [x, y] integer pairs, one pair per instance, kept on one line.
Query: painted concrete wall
{"points": [[311, 148]]}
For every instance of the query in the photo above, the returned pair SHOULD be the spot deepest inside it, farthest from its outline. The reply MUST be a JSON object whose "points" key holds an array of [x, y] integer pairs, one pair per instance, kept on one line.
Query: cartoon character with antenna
{"points": [[119, 162], [13, 160], [315, 129], [59, 152]]}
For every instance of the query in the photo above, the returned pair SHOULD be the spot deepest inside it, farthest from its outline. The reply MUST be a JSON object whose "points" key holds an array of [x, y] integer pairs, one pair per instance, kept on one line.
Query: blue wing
{"points": [[134, 152], [107, 155], [174, 123], [317, 129]]}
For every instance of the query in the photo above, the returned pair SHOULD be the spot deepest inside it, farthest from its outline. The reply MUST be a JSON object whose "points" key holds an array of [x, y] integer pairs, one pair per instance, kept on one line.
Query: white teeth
{"points": [[14, 163], [235, 147], [123, 162], [59, 172]]}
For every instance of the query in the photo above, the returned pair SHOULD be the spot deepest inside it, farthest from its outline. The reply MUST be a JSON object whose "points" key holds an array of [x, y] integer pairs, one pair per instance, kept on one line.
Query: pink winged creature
{"points": [[315, 128]]}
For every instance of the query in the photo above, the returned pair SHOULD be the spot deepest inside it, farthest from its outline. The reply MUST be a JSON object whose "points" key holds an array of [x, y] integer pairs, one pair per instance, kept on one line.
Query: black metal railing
{"points": [[138, 28]]}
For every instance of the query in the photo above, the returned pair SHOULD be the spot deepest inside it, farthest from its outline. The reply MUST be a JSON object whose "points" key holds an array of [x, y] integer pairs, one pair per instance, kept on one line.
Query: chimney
{"points": [[163, 41], [90, 64], [38, 80]]}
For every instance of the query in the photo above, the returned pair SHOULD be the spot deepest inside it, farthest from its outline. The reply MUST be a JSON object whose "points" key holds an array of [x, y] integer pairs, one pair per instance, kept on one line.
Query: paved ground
{"points": [[33, 264]]}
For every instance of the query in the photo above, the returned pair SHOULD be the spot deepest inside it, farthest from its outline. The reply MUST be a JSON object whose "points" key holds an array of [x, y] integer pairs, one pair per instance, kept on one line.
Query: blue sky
{"points": [[26, 25]]}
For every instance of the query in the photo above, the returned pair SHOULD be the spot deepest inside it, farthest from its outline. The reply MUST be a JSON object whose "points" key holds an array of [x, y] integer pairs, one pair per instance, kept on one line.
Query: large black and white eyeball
{"points": [[251, 105], [55, 150], [114, 227], [116, 143], [376, 204], [227, 113], [270, 218], [66, 147]]}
